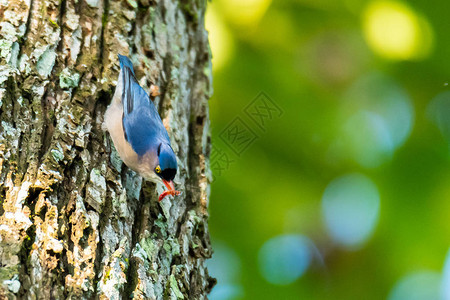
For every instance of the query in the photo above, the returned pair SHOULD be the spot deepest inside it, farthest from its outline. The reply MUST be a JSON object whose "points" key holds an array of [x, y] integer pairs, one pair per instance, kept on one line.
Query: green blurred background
{"points": [[340, 187]]}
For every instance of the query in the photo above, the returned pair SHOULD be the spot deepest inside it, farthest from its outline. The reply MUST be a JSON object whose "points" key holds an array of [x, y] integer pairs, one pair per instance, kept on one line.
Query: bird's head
{"points": [[166, 167]]}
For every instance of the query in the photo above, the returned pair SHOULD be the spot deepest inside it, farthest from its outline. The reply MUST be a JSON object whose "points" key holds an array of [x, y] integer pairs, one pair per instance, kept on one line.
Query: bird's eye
{"points": [[158, 169]]}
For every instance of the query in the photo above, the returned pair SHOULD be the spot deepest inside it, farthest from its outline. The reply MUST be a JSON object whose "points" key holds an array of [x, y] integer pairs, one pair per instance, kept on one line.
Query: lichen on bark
{"points": [[74, 221]]}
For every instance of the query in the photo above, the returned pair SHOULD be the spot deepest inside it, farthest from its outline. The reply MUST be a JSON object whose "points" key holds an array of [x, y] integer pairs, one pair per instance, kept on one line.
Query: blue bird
{"points": [[138, 132]]}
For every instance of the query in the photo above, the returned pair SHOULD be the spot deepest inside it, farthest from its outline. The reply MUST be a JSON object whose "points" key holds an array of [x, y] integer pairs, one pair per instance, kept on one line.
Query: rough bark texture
{"points": [[74, 221]]}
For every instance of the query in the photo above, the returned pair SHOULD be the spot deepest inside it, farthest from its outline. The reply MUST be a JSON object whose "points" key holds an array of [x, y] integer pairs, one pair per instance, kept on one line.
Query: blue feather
{"points": [[166, 156], [142, 124], [126, 62]]}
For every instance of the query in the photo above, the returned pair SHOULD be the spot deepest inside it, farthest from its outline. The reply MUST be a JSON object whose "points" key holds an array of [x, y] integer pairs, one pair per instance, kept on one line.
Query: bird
{"points": [[138, 133]]}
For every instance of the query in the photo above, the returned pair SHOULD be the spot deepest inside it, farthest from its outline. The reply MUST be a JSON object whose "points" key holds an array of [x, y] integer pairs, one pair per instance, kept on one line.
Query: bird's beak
{"points": [[170, 190], [169, 184]]}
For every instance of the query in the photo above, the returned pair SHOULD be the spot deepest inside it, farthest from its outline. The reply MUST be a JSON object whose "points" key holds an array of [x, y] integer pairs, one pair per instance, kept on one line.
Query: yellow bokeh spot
{"points": [[245, 12], [220, 39], [395, 31]]}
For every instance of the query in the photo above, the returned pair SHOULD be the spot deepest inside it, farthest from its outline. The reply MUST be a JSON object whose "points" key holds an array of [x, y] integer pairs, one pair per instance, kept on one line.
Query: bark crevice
{"points": [[104, 24], [22, 40]]}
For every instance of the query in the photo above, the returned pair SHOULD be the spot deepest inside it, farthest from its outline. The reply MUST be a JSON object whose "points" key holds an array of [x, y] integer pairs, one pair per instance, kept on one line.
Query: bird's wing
{"points": [[142, 125]]}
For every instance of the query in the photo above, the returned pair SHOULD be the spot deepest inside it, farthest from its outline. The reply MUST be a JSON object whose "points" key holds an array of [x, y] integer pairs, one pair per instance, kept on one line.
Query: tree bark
{"points": [[74, 221]]}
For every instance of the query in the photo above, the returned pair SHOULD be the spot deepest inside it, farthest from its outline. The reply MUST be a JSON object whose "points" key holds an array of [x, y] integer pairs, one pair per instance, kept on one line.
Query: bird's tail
{"points": [[126, 62], [133, 95]]}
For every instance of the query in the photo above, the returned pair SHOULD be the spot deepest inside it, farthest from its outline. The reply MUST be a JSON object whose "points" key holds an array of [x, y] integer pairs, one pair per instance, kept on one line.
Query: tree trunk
{"points": [[74, 221]]}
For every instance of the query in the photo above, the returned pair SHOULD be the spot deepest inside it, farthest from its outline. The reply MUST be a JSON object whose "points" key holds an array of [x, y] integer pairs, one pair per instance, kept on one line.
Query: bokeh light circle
{"points": [[424, 285], [380, 120], [445, 283], [224, 291], [285, 258], [395, 31], [222, 45], [225, 266], [368, 139], [245, 13], [350, 206]]}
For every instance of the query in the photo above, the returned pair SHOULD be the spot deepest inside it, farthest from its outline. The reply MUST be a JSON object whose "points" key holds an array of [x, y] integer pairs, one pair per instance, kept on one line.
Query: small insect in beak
{"points": [[170, 190]]}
